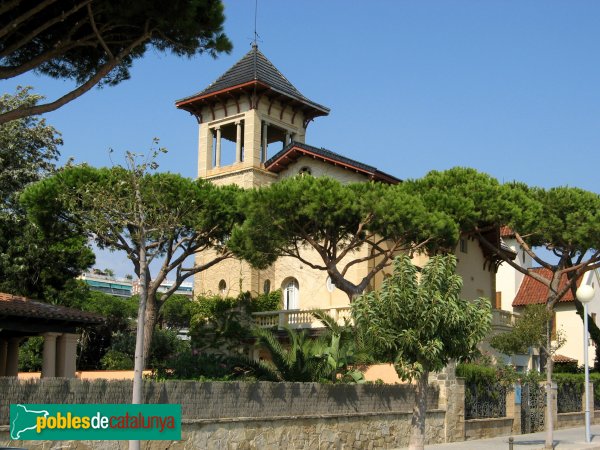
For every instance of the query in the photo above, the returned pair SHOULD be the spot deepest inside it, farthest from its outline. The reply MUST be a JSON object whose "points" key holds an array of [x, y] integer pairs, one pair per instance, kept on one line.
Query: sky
{"points": [[509, 87]]}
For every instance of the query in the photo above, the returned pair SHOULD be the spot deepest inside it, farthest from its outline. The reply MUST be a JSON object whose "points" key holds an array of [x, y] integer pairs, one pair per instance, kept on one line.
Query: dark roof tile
{"points": [[327, 155], [14, 305], [254, 66]]}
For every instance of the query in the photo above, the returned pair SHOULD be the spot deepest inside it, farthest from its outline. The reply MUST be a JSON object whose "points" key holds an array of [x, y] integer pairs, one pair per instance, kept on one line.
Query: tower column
{"points": [[218, 155], [238, 142], [265, 142]]}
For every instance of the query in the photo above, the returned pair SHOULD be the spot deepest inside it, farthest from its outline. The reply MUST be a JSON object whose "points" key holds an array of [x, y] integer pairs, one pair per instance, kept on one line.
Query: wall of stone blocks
{"points": [[366, 431], [261, 415], [222, 400]]}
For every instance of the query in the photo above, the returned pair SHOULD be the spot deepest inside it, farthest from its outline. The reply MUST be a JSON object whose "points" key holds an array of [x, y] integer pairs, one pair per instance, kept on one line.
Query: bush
{"points": [[177, 311], [30, 354], [116, 360], [267, 302]]}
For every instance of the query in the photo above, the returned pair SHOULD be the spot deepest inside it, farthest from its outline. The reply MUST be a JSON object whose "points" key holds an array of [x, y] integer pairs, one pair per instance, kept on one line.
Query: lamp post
{"points": [[585, 293]]}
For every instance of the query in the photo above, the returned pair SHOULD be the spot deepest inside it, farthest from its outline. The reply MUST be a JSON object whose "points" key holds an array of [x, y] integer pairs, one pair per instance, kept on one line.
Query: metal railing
{"points": [[485, 400], [570, 397]]}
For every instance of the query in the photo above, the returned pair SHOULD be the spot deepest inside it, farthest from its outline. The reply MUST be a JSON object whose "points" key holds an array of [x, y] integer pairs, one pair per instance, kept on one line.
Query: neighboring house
{"points": [[516, 291], [123, 287], [22, 317], [252, 130], [186, 288], [119, 287]]}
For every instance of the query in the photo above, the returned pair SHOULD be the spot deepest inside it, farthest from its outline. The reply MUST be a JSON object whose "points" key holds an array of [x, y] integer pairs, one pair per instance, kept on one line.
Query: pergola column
{"points": [[66, 355], [238, 142], [218, 150], [12, 357], [49, 355], [3, 353]]}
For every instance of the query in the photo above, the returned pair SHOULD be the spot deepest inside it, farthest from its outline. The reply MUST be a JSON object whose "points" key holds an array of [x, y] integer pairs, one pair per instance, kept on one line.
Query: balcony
{"points": [[502, 321], [297, 318]]}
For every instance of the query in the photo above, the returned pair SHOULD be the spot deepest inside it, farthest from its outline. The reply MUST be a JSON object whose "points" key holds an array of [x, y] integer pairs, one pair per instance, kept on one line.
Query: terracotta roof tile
{"points": [[506, 231], [532, 292], [563, 359], [14, 305]]}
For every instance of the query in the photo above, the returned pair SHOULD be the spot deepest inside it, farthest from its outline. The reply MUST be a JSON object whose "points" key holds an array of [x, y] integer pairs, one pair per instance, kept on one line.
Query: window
{"points": [[498, 304], [290, 294], [222, 287], [305, 171], [330, 285], [267, 286]]}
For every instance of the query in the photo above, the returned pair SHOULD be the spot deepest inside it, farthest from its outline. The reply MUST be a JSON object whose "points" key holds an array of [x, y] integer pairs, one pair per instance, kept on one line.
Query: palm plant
{"points": [[302, 359], [326, 358]]}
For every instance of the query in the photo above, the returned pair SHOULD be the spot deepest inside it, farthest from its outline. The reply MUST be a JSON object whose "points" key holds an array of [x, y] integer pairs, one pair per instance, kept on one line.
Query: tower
{"points": [[248, 114]]}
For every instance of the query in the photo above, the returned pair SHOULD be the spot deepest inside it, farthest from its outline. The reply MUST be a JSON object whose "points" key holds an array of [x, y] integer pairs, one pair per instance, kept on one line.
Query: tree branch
{"points": [[21, 112], [13, 25], [97, 33], [29, 37]]}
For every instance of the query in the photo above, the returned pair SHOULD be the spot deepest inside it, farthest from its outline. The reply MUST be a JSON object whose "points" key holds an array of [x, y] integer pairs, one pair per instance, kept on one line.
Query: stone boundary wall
{"points": [[359, 431], [221, 400], [486, 428]]}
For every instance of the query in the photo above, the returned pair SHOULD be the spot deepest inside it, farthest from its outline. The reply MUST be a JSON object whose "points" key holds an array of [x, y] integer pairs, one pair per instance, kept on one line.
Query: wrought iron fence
{"points": [[532, 407], [570, 397], [485, 400], [596, 395]]}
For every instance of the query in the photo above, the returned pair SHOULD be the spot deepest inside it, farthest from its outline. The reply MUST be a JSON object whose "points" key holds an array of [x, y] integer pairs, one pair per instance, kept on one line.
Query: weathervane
{"points": [[256, 37]]}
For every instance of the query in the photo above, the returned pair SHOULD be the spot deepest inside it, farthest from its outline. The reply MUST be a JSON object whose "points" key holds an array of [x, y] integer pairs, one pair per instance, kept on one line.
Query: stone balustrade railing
{"points": [[298, 318]]}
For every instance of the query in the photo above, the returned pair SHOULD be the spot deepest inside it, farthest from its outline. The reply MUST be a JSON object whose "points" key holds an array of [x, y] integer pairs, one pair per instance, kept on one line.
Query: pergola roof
{"points": [[21, 314]]}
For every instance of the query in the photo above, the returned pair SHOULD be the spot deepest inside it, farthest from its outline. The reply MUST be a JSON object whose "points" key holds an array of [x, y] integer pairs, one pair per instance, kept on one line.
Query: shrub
{"points": [[267, 302]]}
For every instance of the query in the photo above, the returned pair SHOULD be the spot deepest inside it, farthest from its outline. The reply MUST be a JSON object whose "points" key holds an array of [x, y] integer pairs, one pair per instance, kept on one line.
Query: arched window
{"points": [[222, 287], [291, 293], [304, 171], [267, 286]]}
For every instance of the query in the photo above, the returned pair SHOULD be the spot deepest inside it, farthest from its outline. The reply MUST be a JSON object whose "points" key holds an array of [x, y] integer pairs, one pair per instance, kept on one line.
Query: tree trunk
{"points": [[417, 424], [549, 444], [139, 363], [149, 324]]}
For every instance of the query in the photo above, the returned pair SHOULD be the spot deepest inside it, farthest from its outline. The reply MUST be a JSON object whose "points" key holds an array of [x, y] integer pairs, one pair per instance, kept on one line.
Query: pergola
{"points": [[22, 317]]}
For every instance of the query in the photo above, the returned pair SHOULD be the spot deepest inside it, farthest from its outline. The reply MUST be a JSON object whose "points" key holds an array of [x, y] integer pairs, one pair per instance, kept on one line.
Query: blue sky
{"points": [[508, 87]]}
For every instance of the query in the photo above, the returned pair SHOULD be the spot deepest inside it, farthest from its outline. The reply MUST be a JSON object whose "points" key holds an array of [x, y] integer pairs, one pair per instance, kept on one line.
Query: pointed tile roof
{"points": [[254, 69], [532, 292]]}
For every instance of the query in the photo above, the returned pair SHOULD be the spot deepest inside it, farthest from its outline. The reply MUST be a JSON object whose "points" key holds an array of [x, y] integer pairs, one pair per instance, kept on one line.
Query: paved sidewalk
{"points": [[564, 439]]}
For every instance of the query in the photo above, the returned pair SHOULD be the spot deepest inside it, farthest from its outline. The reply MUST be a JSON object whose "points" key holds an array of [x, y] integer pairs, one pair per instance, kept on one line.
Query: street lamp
{"points": [[585, 293]]}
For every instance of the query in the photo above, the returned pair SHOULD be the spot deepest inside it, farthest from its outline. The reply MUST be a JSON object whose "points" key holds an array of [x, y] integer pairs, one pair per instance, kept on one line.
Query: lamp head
{"points": [[585, 293]]}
